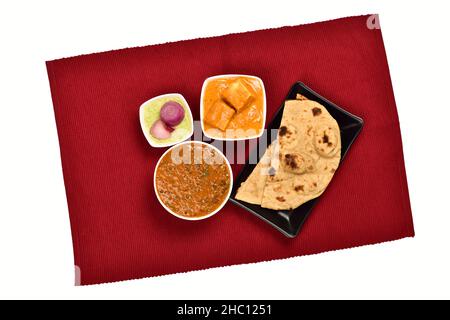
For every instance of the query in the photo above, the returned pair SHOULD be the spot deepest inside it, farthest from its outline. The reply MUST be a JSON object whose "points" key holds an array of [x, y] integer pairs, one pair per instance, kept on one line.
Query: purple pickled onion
{"points": [[172, 113]]}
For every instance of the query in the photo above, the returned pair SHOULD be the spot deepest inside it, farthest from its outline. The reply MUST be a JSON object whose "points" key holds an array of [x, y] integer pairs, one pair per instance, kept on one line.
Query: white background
{"points": [[35, 244]]}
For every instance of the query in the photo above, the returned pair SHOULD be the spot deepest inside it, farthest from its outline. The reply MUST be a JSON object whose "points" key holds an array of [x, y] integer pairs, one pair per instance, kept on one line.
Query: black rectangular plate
{"points": [[289, 222]]}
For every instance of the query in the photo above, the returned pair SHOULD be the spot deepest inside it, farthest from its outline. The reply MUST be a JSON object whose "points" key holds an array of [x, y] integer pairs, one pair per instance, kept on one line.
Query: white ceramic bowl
{"points": [[205, 83], [188, 113], [205, 216]]}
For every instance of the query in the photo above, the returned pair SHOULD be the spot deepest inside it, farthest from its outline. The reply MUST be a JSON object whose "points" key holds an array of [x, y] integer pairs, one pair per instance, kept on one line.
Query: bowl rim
{"points": [[205, 83], [209, 214], [146, 134]]}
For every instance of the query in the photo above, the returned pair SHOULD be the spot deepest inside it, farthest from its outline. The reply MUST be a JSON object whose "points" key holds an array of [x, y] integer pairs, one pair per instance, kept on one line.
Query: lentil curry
{"points": [[193, 180]]}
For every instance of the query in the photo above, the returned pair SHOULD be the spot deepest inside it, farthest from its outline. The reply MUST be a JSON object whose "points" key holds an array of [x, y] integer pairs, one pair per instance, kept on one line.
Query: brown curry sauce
{"points": [[194, 187]]}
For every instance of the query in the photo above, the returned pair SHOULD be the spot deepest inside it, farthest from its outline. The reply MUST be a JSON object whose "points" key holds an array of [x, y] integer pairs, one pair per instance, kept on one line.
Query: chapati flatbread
{"points": [[303, 159], [251, 191]]}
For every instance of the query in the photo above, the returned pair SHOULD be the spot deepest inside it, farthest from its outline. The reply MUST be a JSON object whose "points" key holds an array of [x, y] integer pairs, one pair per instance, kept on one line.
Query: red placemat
{"points": [[119, 229]]}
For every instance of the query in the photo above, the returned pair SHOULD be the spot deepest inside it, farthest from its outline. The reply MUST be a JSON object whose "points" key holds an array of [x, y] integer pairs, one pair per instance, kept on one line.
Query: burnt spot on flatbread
{"points": [[283, 131], [291, 160], [316, 111], [326, 140], [299, 188], [281, 199], [272, 171], [333, 170], [315, 184]]}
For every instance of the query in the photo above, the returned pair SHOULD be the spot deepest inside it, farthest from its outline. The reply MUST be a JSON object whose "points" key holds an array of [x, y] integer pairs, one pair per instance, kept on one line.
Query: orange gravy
{"points": [[246, 122]]}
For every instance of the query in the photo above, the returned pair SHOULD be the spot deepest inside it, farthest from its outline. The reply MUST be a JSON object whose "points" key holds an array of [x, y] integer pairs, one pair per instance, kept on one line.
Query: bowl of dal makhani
{"points": [[193, 180], [233, 107]]}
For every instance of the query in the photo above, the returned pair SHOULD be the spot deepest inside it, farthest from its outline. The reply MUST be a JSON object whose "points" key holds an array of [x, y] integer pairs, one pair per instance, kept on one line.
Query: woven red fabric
{"points": [[119, 229]]}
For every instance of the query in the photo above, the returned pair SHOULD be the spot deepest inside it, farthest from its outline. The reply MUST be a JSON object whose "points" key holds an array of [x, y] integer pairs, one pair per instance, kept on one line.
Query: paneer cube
{"points": [[219, 115], [238, 94]]}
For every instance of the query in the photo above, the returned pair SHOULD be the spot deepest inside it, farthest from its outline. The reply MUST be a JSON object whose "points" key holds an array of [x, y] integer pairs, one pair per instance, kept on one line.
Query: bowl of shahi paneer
{"points": [[233, 107]]}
